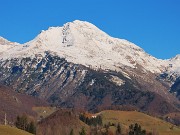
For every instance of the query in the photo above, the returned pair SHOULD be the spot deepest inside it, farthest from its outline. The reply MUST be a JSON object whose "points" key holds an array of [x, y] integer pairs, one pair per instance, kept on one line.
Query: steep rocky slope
{"points": [[80, 66]]}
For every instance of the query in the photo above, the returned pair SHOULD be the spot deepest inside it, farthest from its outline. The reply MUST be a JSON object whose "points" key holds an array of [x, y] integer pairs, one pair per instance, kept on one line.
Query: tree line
{"points": [[97, 120], [134, 129], [22, 122], [97, 127]]}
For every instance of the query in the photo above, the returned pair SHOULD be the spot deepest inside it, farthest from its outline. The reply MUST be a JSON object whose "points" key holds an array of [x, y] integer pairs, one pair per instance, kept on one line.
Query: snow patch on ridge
{"points": [[174, 65], [117, 80]]}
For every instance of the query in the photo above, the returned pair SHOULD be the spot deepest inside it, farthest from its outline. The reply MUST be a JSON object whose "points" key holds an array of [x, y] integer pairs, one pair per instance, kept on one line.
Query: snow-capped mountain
{"points": [[83, 43], [79, 62]]}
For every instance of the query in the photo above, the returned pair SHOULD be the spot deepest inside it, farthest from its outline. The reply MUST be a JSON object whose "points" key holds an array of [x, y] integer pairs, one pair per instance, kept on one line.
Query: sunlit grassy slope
{"points": [[125, 118], [7, 130], [44, 111], [147, 122]]}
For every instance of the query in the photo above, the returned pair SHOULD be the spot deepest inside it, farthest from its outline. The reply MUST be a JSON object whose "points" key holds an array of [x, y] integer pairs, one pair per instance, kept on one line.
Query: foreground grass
{"points": [[7, 130], [147, 122]]}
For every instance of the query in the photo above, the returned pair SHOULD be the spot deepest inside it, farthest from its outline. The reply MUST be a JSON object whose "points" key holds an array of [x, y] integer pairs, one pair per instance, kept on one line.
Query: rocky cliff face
{"points": [[41, 76]]}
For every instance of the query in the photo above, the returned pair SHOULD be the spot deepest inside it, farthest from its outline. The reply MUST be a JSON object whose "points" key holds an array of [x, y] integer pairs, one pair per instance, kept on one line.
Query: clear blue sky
{"points": [[153, 25]]}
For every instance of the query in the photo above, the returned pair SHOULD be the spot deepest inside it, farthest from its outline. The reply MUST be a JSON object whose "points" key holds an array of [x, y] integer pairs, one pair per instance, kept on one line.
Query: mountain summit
{"points": [[83, 43]]}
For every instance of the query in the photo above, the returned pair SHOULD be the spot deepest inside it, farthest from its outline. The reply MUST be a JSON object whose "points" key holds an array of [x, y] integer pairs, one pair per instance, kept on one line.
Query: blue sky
{"points": [[153, 25]]}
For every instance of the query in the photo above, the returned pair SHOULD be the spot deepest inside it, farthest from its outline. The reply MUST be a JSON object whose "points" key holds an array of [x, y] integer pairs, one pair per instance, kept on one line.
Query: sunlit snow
{"points": [[83, 43]]}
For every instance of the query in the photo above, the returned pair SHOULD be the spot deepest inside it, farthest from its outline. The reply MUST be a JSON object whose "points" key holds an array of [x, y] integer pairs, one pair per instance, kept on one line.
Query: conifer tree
{"points": [[72, 132], [118, 131], [136, 130], [83, 132], [31, 128]]}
